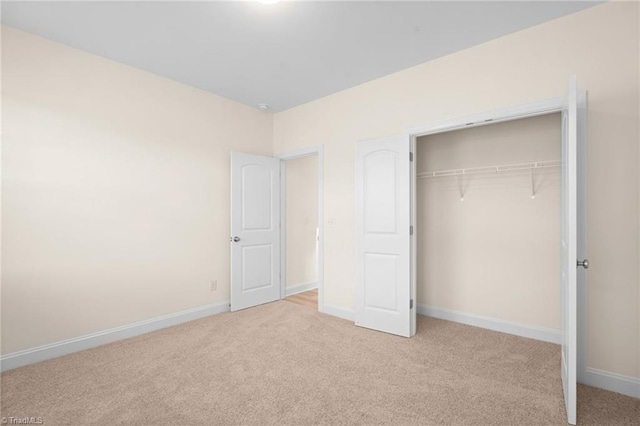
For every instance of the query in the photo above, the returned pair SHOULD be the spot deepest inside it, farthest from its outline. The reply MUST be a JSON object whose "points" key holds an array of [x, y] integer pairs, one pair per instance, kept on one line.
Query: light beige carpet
{"points": [[284, 363]]}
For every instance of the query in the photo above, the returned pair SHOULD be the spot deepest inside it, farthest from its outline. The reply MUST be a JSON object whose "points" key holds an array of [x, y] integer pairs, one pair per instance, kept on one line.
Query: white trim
{"points": [[283, 230], [533, 109], [413, 256], [65, 347], [340, 312], [613, 382], [299, 288], [305, 152], [509, 327], [320, 272]]}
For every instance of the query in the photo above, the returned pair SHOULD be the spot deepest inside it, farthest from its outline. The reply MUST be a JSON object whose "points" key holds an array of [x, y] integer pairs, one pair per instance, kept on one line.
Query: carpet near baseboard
{"points": [[283, 363]]}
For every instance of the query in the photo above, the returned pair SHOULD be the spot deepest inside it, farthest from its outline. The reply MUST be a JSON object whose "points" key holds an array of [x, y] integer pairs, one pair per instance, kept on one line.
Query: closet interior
{"points": [[488, 221]]}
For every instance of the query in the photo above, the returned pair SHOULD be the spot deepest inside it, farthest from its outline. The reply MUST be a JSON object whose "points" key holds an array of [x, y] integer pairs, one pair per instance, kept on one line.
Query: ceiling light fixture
{"points": [[268, 1], [263, 107]]}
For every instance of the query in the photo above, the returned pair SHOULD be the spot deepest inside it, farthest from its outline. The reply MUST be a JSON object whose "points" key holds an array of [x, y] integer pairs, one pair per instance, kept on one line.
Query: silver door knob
{"points": [[236, 239], [584, 263]]}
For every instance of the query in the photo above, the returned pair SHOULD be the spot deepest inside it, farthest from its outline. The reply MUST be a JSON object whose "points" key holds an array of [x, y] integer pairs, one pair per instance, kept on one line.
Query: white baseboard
{"points": [[299, 288], [65, 347], [593, 377], [509, 327], [339, 312], [613, 382]]}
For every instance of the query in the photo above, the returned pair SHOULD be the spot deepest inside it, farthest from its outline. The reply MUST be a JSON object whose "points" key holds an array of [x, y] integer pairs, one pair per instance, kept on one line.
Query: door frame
{"points": [[528, 110], [317, 151]]}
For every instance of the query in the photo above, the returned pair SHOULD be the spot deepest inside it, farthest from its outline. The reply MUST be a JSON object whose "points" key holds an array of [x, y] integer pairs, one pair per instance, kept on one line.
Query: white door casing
{"points": [[255, 230], [382, 240], [569, 249], [317, 151]]}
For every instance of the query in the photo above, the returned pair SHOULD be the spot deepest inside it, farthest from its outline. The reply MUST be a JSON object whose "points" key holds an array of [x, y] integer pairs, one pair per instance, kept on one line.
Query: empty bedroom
{"points": [[320, 212]]}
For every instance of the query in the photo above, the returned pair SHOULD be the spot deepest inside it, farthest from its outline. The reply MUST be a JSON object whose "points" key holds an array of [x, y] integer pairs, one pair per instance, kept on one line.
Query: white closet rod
{"points": [[491, 169]]}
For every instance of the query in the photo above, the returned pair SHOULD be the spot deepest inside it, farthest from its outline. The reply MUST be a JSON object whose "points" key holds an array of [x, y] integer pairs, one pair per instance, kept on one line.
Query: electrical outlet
{"points": [[213, 285]]}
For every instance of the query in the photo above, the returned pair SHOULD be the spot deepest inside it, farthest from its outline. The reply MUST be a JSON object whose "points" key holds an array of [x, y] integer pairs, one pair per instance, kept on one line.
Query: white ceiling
{"points": [[284, 54]]}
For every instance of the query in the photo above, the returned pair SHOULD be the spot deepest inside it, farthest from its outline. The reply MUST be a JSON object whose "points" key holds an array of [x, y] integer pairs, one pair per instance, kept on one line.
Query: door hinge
{"points": [[411, 230], [410, 156], [411, 304]]}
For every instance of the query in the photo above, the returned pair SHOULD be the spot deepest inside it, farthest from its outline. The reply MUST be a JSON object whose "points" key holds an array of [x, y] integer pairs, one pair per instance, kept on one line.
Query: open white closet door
{"points": [[255, 230], [573, 142], [383, 240]]}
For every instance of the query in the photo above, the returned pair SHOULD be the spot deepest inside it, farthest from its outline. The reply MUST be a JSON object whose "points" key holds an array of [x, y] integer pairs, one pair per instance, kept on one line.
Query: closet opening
{"points": [[480, 220], [488, 216]]}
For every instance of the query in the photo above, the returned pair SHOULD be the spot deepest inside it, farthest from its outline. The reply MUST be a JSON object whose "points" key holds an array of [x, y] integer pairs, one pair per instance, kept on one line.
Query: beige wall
{"points": [[115, 187], [302, 220], [496, 253], [600, 46]]}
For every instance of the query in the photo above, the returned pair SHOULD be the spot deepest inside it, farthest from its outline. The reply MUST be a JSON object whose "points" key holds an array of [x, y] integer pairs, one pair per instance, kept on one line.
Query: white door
{"points": [[571, 215], [383, 241], [255, 230]]}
